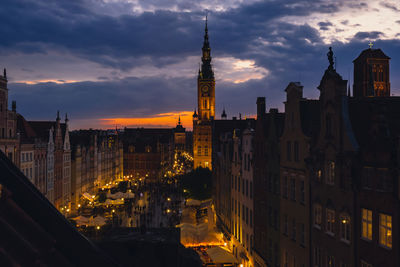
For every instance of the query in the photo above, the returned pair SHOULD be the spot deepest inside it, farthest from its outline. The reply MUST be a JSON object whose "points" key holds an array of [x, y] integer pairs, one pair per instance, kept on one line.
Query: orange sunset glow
{"points": [[162, 120]]}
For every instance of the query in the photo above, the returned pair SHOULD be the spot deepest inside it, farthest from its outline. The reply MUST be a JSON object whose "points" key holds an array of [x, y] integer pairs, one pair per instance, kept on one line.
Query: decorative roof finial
{"points": [[370, 45], [66, 117], [5, 73], [330, 58], [58, 115], [179, 120]]}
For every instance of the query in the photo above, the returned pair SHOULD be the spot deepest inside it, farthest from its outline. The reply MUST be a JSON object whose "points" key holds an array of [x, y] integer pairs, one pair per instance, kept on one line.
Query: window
{"points": [[317, 257], [285, 224], [302, 192], [285, 187], [288, 150], [270, 219], [243, 186], [248, 162], [276, 185], [296, 151], [251, 189], [366, 224], [275, 219], [385, 230], [365, 264], [317, 215], [294, 229], [319, 175], [235, 182], [330, 261], [367, 177], [328, 125], [330, 220], [385, 180], [251, 218], [293, 189], [286, 260], [206, 151], [199, 150], [345, 228], [247, 215], [247, 188], [302, 234], [239, 184], [330, 173], [269, 178]]}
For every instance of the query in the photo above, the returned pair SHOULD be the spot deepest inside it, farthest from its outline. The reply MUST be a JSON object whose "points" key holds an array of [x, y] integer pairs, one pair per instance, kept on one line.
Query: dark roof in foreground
{"points": [[33, 232]]}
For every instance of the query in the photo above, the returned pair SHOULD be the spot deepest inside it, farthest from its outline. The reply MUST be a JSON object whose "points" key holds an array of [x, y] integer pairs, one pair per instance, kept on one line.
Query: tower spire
{"points": [[206, 69]]}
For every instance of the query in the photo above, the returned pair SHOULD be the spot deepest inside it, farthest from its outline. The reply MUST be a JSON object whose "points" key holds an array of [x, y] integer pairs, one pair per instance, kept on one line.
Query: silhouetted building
{"points": [[267, 228], [147, 151], [9, 142]]}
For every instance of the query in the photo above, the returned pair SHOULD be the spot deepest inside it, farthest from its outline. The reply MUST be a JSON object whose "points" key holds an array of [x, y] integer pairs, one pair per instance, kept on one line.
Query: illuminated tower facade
{"points": [[202, 121], [371, 74]]}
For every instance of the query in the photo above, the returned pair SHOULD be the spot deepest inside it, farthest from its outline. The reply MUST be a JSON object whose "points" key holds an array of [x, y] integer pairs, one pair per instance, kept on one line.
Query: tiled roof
{"points": [[34, 232], [371, 53]]}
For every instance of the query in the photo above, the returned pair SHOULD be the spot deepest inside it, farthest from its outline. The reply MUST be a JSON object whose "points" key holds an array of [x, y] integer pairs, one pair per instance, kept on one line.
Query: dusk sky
{"points": [[134, 62]]}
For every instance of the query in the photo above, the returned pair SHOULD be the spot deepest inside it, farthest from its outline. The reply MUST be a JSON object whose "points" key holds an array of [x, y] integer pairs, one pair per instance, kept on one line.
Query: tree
{"points": [[197, 183]]}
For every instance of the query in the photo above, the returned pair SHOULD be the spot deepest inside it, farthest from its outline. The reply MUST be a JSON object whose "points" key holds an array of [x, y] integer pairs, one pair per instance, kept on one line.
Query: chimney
{"points": [[260, 106]]}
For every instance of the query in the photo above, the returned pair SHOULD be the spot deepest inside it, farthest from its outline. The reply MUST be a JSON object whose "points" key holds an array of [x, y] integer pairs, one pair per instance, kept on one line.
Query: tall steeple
{"points": [[206, 68]]}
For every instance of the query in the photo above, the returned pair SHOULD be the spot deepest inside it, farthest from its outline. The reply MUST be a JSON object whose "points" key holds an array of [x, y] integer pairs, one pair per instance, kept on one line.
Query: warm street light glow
{"points": [[98, 227]]}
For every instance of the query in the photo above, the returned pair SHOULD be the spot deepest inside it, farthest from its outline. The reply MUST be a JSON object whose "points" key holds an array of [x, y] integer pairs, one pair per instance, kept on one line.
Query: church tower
{"points": [[202, 121], [371, 74]]}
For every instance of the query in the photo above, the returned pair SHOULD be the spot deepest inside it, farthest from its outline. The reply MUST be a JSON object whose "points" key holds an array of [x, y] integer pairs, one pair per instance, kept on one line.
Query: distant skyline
{"points": [[134, 63]]}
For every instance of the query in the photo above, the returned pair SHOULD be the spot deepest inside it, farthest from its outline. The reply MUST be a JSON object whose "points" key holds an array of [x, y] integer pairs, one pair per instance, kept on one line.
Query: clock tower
{"points": [[202, 122]]}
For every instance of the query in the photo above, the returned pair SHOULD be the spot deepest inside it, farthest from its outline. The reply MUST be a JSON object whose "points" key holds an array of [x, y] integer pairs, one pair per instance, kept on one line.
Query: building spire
{"points": [[5, 74], [179, 120], [206, 69]]}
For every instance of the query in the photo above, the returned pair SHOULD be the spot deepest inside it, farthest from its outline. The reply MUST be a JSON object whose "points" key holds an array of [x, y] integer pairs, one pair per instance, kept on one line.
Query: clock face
{"points": [[204, 89]]}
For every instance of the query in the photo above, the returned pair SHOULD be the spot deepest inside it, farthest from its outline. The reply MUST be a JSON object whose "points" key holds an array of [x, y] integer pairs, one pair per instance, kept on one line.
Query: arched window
{"points": [[345, 227], [199, 150]]}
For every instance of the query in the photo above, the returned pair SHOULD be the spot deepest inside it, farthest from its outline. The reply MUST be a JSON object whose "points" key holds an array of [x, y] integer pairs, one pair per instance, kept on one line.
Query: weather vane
{"points": [[370, 45]]}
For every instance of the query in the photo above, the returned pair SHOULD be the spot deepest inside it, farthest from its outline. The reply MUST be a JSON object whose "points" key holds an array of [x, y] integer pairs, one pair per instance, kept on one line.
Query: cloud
{"points": [[134, 59], [391, 6], [368, 35]]}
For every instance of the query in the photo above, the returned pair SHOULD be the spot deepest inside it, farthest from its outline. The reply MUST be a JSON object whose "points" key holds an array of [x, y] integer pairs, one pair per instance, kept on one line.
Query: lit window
{"points": [[330, 173], [317, 215], [345, 227], [330, 220], [385, 230], [319, 175], [199, 150], [330, 261], [366, 224], [365, 264], [206, 151]]}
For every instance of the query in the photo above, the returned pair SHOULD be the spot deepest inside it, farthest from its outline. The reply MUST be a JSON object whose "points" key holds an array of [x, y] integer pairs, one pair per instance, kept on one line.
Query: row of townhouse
{"points": [[45, 153], [325, 175]]}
